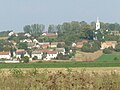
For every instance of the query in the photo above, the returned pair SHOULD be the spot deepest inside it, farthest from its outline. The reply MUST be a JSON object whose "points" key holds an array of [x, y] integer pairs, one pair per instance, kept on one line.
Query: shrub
{"points": [[107, 51], [116, 59], [35, 58], [25, 59]]}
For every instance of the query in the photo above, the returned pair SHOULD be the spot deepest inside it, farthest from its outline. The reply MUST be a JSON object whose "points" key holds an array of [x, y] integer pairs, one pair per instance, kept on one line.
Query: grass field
{"points": [[61, 65], [109, 57]]}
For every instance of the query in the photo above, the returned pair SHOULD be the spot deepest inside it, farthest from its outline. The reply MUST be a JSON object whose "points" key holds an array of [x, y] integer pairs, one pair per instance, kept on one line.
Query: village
{"points": [[47, 46]]}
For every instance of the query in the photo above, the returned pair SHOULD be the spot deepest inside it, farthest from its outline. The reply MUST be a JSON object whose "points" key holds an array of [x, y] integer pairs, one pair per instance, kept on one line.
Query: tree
{"points": [[34, 29], [91, 46], [23, 45], [52, 29]]}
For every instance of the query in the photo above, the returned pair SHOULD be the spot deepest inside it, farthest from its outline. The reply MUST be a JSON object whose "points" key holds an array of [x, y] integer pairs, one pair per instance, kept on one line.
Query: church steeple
{"points": [[97, 24]]}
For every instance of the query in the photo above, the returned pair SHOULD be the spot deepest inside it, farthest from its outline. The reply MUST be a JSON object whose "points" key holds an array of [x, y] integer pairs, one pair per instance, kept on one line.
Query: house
{"points": [[53, 44], [19, 53], [51, 55], [12, 34], [26, 40], [27, 35], [5, 55], [35, 41], [61, 50], [79, 44], [108, 44], [50, 34], [45, 46], [38, 54]]}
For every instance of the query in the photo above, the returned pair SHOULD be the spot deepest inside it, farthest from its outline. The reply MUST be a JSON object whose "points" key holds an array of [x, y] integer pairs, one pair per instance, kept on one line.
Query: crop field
{"points": [[60, 79], [61, 64]]}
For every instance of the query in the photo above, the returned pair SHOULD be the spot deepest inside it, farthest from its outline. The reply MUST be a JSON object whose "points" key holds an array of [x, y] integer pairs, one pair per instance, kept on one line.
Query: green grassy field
{"points": [[109, 57], [61, 65]]}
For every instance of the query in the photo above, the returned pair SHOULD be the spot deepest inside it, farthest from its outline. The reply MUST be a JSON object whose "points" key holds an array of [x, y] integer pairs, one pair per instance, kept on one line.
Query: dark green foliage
{"points": [[4, 33], [116, 59], [25, 59], [34, 29], [35, 58], [107, 51], [91, 46], [117, 48], [22, 45]]}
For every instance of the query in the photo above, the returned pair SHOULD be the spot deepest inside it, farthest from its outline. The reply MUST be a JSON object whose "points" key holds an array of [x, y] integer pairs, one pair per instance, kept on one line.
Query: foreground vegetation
{"points": [[16, 79], [61, 64]]}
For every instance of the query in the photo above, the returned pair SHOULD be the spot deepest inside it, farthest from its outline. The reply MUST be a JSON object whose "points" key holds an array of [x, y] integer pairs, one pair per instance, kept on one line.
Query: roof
{"points": [[44, 51], [20, 51], [60, 49], [51, 52], [111, 42], [4, 53], [82, 42], [49, 34]]}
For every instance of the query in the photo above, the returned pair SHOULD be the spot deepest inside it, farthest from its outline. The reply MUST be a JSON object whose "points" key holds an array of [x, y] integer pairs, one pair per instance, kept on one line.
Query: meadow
{"points": [[70, 64], [34, 79]]}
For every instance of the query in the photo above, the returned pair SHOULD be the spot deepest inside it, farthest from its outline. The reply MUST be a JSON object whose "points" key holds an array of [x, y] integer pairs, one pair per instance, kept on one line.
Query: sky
{"points": [[15, 14]]}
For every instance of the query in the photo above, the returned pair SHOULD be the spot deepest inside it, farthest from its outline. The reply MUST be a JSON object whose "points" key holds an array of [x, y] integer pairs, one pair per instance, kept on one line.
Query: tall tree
{"points": [[52, 28], [34, 29]]}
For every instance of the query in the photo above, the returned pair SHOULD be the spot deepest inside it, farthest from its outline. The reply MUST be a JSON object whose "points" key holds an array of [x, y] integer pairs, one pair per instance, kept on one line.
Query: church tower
{"points": [[97, 24]]}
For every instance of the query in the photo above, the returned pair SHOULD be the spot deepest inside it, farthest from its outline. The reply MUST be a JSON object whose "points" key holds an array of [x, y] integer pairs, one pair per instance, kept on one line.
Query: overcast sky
{"points": [[15, 14]]}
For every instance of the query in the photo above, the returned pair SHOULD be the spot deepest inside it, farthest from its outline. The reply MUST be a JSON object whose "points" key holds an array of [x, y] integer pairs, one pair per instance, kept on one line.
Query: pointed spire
{"points": [[97, 19]]}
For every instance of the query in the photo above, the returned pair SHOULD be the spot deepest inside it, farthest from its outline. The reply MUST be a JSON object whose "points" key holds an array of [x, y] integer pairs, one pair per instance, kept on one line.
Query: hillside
{"points": [[83, 56]]}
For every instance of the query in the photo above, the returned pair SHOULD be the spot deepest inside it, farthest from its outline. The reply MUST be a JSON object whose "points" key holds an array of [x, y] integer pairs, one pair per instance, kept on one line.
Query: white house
{"points": [[27, 35], [61, 50], [5, 55], [51, 55], [38, 54]]}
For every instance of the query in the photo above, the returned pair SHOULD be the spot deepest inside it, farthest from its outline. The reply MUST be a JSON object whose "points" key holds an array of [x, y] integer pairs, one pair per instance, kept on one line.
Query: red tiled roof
{"points": [[51, 52], [47, 51], [20, 50], [4, 53]]}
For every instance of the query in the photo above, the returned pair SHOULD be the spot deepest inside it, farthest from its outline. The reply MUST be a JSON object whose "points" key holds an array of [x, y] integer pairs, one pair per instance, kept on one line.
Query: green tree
{"points": [[52, 28], [34, 29], [23, 45]]}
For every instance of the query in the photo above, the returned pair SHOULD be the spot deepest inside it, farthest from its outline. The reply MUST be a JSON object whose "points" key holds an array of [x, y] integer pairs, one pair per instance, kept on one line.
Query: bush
{"points": [[35, 58], [115, 59], [107, 51], [25, 59], [117, 48]]}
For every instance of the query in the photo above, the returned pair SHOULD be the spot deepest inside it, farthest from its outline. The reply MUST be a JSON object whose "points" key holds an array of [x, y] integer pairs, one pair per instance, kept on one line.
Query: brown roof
{"points": [[49, 34], [20, 50], [51, 52], [46, 51], [4, 53], [111, 42]]}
